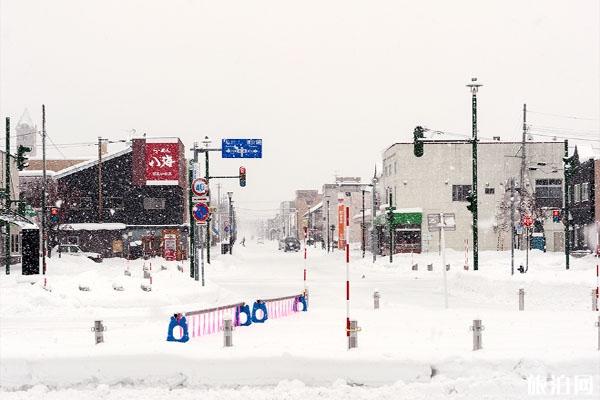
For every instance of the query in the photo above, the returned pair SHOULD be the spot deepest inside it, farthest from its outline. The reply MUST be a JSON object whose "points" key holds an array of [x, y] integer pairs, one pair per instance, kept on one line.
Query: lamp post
{"points": [[474, 87], [327, 225], [229, 194], [390, 215]]}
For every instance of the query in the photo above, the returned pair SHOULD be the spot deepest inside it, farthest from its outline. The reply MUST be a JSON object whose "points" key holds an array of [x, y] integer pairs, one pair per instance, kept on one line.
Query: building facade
{"points": [[441, 179]]}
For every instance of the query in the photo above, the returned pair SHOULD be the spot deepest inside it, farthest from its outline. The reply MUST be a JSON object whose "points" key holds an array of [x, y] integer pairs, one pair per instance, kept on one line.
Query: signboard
{"points": [[201, 212], [200, 187], [527, 221], [341, 226], [162, 162], [433, 222], [170, 246], [241, 148]]}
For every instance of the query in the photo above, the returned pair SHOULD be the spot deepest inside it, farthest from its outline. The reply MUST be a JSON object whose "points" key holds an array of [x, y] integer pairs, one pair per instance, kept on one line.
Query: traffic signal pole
{"points": [[44, 190], [568, 166], [474, 86]]}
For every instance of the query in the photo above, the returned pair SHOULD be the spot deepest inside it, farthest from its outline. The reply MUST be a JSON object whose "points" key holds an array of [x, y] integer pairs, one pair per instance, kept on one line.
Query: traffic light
{"points": [[54, 215], [242, 176], [21, 158], [418, 135], [555, 215], [472, 200]]}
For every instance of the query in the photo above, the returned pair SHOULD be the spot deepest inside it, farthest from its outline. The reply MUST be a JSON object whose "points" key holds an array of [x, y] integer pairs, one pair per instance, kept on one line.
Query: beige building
{"points": [[440, 180]]}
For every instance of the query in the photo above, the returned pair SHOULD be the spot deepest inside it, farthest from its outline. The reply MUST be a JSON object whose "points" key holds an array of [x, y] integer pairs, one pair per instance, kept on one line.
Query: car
{"points": [[291, 244], [74, 250], [260, 241]]}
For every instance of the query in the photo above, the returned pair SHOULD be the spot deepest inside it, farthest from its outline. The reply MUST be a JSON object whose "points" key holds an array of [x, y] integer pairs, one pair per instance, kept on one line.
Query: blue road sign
{"points": [[201, 212], [241, 148]]}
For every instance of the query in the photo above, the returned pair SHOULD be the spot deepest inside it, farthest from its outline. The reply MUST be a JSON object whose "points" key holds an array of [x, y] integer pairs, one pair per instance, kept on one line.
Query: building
{"points": [[440, 181], [304, 200], [141, 207], [582, 205], [9, 214], [27, 133]]}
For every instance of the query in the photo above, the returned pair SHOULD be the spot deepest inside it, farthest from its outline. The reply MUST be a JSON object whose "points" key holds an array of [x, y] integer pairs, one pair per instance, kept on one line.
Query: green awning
{"points": [[401, 218]]}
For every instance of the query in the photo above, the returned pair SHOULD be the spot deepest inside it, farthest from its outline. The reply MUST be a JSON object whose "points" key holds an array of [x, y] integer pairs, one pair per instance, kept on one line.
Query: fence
{"points": [[281, 306], [210, 321]]}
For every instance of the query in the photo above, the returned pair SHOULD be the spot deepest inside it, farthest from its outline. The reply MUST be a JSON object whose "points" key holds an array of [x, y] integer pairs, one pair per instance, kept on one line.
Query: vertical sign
{"points": [[341, 226], [162, 162]]}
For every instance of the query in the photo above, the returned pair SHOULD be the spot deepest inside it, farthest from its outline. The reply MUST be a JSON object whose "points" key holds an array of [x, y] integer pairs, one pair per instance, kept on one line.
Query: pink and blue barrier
{"points": [[210, 321]]}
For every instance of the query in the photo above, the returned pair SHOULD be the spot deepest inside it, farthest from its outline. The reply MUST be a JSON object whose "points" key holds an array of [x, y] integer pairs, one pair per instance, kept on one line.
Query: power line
{"points": [[564, 137], [563, 116]]}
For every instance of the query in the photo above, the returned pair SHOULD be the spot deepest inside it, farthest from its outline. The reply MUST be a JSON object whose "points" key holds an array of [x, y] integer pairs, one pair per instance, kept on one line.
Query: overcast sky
{"points": [[326, 84]]}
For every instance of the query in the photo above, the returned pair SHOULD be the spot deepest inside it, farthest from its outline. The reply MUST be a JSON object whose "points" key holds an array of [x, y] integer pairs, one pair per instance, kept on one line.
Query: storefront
{"points": [[406, 225]]}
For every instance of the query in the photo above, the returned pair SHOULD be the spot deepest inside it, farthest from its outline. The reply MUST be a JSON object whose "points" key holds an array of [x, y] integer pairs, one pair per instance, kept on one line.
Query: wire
{"points": [[563, 115], [56, 147], [564, 137]]}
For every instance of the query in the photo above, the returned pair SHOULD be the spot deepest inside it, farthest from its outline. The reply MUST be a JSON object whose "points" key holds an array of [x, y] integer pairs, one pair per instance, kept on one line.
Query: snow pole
{"points": [[347, 239], [466, 254], [597, 285], [305, 287]]}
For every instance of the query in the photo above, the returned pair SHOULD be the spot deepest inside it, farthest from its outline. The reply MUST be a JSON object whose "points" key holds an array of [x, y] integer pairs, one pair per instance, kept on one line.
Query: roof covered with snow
{"points": [[90, 163], [93, 227]]}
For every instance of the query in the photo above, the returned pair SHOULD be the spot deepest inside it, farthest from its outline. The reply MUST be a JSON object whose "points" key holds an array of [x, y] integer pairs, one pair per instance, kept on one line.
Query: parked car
{"points": [[74, 250], [291, 244]]}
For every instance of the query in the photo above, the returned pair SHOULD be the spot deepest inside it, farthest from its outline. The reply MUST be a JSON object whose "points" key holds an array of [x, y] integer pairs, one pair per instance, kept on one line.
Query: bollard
{"points": [[146, 274], [84, 288], [353, 338], [163, 267], [594, 300], [429, 267], [447, 267], [477, 328], [415, 267], [376, 297], [521, 299], [228, 333], [180, 268], [98, 330], [127, 272]]}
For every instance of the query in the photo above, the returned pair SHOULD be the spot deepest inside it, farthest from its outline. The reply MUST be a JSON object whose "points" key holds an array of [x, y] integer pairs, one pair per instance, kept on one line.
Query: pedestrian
{"points": [[243, 242]]}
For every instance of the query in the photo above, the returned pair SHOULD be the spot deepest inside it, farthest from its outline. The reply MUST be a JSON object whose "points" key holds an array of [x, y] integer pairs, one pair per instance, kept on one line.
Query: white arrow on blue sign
{"points": [[241, 148]]}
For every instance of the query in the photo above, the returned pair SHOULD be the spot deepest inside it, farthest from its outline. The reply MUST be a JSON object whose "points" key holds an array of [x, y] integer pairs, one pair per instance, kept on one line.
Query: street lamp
{"points": [[229, 195], [474, 87], [327, 225]]}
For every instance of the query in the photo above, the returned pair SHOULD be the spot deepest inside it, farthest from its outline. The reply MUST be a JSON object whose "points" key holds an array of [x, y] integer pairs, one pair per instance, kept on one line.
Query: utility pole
{"points": [[523, 150], [362, 232], [229, 194], [7, 255], [192, 248], [390, 210], [512, 226], [474, 86], [209, 222], [44, 192], [327, 226], [100, 179], [373, 215], [568, 167]]}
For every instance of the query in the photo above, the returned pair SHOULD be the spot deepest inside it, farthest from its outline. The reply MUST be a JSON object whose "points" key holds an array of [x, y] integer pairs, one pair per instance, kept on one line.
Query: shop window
{"points": [[490, 190], [585, 192], [460, 192]]}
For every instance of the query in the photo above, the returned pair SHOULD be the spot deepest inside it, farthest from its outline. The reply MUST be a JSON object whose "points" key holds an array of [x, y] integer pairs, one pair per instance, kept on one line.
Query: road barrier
{"points": [[210, 321]]}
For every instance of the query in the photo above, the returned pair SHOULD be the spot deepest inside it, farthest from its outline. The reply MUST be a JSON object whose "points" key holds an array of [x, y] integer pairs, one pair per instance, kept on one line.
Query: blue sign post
{"points": [[241, 148], [201, 212]]}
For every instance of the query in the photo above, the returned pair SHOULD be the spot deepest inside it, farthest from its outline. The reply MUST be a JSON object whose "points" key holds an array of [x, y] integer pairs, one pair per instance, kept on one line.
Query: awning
{"points": [[401, 217], [18, 220], [93, 227]]}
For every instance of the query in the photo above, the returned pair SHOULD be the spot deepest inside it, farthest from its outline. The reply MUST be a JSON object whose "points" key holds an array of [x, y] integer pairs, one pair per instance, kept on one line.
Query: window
{"points": [[585, 192], [490, 190], [395, 167], [14, 243], [548, 193], [576, 193], [116, 203], [154, 203], [81, 203], [460, 192]]}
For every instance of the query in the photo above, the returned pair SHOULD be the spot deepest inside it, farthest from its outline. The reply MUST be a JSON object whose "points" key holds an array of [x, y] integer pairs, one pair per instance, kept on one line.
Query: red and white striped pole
{"points": [[347, 240], [305, 287]]}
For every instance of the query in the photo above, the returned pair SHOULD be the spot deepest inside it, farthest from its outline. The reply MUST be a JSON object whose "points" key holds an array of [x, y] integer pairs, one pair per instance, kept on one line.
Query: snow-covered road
{"points": [[411, 346]]}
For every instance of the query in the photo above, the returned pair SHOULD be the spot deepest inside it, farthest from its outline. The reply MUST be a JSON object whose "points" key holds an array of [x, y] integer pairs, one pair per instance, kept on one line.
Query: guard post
{"points": [[228, 333], [98, 330], [376, 297], [477, 328], [353, 339], [521, 299]]}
